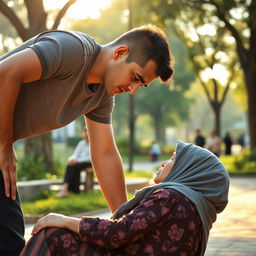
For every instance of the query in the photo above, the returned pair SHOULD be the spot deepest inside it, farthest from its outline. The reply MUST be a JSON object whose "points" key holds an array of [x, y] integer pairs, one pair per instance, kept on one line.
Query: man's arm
{"points": [[19, 68], [107, 163]]}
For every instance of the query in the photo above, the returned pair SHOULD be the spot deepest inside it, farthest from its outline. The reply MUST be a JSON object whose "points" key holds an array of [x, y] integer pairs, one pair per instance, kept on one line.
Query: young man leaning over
{"points": [[57, 76]]}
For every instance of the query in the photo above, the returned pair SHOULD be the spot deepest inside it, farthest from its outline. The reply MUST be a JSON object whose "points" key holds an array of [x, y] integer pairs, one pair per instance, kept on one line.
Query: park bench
{"points": [[87, 179]]}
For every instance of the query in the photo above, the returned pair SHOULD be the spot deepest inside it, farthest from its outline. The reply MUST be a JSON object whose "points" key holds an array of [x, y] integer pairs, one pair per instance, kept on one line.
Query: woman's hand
{"points": [[57, 221]]}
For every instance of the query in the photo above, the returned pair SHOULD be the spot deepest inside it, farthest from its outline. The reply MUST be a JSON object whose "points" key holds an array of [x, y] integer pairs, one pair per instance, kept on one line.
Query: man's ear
{"points": [[121, 51]]}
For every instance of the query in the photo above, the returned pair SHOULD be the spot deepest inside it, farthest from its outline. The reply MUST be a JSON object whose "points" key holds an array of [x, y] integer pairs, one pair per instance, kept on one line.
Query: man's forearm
{"points": [[9, 90], [110, 174]]}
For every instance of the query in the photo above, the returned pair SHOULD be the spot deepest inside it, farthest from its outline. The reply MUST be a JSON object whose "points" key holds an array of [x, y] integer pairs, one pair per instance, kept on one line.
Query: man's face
{"points": [[123, 77]]}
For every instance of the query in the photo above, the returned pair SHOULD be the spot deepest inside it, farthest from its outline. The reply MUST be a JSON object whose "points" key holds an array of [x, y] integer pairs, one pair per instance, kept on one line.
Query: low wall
{"points": [[30, 189]]}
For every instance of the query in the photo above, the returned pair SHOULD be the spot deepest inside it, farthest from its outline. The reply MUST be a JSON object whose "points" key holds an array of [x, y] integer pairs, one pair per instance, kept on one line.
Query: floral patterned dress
{"points": [[166, 223]]}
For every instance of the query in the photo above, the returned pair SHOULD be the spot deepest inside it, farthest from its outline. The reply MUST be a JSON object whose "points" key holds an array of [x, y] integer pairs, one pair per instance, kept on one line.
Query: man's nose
{"points": [[133, 88]]}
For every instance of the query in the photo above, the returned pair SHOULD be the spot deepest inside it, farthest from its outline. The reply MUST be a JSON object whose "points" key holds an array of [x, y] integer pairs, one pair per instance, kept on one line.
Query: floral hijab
{"points": [[200, 176]]}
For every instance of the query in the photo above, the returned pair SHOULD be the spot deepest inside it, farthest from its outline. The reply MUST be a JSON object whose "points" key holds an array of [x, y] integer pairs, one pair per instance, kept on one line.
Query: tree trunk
{"points": [[132, 118], [36, 17], [250, 80], [40, 146], [159, 128], [217, 124]]}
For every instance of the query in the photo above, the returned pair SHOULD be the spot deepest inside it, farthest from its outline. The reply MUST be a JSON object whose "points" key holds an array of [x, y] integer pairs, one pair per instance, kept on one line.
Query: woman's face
{"points": [[165, 169]]}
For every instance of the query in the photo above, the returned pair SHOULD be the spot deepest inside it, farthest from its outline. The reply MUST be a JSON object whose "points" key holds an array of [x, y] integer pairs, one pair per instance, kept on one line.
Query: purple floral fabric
{"points": [[166, 223]]}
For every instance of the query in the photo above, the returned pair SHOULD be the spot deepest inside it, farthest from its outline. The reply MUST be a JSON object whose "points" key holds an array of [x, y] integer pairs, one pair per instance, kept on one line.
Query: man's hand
{"points": [[71, 161], [8, 162], [57, 221]]}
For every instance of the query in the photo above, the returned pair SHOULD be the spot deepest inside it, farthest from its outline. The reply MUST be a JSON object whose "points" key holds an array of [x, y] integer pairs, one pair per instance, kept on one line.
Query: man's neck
{"points": [[97, 72]]}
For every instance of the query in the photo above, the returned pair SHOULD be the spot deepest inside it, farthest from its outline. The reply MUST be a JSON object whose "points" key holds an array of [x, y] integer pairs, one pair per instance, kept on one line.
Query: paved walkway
{"points": [[234, 233]]}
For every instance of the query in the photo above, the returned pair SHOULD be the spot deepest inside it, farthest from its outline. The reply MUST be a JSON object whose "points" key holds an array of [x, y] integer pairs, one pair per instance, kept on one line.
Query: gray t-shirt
{"points": [[62, 94]]}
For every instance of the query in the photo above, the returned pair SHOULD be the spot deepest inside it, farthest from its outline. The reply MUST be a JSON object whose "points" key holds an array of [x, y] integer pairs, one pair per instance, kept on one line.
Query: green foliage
{"points": [[73, 141], [139, 174], [244, 163], [123, 146], [31, 168], [74, 203]]}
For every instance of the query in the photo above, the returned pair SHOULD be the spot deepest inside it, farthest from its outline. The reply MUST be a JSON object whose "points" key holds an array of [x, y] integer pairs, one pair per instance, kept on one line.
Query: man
{"points": [[78, 161], [54, 78], [199, 139]]}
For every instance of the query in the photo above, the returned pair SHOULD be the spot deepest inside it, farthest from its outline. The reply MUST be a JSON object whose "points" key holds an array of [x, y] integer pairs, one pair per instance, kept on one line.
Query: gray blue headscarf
{"points": [[200, 176]]}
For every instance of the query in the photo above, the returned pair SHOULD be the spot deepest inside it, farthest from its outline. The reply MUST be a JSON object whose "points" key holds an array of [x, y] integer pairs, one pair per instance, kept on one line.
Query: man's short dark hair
{"points": [[149, 43]]}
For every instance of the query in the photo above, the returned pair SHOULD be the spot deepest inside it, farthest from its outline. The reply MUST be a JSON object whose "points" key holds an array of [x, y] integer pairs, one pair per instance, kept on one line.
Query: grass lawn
{"points": [[74, 203], [70, 205]]}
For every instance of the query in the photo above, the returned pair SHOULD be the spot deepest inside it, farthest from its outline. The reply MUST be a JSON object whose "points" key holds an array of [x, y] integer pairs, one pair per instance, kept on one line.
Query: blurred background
{"points": [[214, 87]]}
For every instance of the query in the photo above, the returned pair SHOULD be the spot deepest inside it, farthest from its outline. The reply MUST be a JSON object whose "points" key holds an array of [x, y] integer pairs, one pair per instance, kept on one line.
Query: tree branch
{"points": [[61, 13], [234, 32], [14, 20], [215, 84], [205, 89], [252, 25], [227, 86]]}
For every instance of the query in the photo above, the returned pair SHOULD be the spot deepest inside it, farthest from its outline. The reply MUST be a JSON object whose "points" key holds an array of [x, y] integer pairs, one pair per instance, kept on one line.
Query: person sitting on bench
{"points": [[79, 160]]}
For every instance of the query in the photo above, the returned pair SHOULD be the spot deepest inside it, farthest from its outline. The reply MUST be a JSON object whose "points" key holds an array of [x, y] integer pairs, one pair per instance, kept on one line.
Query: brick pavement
{"points": [[234, 233]]}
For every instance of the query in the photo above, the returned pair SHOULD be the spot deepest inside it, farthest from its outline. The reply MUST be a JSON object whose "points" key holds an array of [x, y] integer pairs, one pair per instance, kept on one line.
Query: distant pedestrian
{"points": [[242, 140], [228, 144], [213, 143], [155, 151], [199, 139]]}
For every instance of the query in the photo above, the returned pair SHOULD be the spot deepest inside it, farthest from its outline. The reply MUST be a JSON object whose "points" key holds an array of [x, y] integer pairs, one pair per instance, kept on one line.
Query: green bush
{"points": [[123, 146], [244, 163], [72, 204], [34, 168], [31, 168], [73, 141]]}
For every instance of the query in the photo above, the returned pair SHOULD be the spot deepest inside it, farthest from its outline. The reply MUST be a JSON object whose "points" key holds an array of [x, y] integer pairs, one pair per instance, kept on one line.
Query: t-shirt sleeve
{"points": [[103, 113], [61, 54]]}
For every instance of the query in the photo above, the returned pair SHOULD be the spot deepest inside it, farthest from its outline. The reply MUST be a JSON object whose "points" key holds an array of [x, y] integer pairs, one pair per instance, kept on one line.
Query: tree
{"points": [[167, 104], [37, 22], [206, 53], [235, 16]]}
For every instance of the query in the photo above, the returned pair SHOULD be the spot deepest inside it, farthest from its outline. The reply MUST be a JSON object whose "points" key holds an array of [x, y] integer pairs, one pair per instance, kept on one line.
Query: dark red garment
{"points": [[166, 223]]}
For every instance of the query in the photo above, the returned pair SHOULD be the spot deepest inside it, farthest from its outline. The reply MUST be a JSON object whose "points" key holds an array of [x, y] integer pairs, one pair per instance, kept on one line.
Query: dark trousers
{"points": [[72, 175], [11, 224]]}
